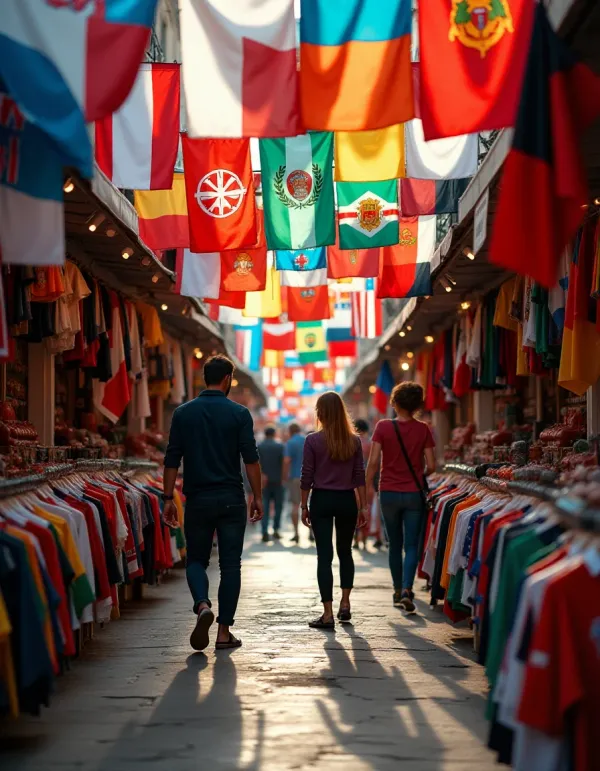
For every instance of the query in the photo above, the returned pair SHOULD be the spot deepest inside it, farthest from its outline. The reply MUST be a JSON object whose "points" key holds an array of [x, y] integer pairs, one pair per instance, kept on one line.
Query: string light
{"points": [[428, 339], [468, 254], [198, 353], [451, 279], [234, 383], [402, 333], [405, 366], [465, 305], [164, 307], [69, 186], [409, 328], [410, 355], [95, 222], [372, 389], [127, 253], [110, 232], [445, 284], [155, 278], [387, 348], [146, 261], [597, 201]]}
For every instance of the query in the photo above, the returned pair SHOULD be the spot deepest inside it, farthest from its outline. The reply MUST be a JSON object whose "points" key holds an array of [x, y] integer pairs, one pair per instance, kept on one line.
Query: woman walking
{"points": [[405, 449], [333, 468]]}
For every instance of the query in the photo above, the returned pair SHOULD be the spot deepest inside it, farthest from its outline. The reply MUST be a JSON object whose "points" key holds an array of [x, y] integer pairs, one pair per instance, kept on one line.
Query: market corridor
{"points": [[388, 692]]}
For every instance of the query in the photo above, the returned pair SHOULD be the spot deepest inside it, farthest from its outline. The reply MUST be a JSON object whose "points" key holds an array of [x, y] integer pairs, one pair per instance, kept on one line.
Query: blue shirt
{"points": [[294, 449], [209, 434]]}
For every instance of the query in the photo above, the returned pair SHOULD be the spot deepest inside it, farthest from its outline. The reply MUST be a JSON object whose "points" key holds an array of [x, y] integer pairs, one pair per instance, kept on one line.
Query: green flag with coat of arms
{"points": [[367, 214], [297, 182]]}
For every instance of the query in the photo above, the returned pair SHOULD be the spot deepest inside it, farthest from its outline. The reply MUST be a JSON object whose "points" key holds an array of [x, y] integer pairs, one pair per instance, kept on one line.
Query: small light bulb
{"points": [[387, 348], [110, 232], [372, 389], [597, 201], [69, 186], [408, 328], [448, 288], [164, 307], [465, 305], [146, 261], [127, 253], [405, 366], [155, 278], [402, 333], [469, 254], [428, 339], [95, 222], [410, 355], [234, 383]]}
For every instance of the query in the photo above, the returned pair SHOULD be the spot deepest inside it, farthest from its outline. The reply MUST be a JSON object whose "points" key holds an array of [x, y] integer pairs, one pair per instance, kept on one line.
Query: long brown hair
{"points": [[336, 426]]}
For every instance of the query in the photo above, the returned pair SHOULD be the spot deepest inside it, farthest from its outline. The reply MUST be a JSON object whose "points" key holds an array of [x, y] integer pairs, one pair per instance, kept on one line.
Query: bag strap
{"points": [[408, 463]]}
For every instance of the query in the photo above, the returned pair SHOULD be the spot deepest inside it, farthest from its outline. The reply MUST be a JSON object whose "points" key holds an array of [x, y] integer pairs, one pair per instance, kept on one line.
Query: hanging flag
{"points": [[245, 270], [298, 197], [198, 275], [279, 337], [561, 98], [481, 50], [355, 68], [367, 214], [451, 158], [136, 146], [112, 397], [342, 287], [428, 196], [306, 267], [249, 340], [163, 216], [235, 300], [340, 340], [342, 348], [308, 304], [352, 263], [580, 355], [310, 342], [220, 194], [383, 388], [266, 304], [367, 312], [406, 267], [240, 60], [69, 63], [370, 156], [31, 191]]}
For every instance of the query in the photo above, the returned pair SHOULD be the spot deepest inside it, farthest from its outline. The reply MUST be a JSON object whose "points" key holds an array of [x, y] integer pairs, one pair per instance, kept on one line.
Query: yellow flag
{"points": [[273, 358], [265, 304], [370, 156]]}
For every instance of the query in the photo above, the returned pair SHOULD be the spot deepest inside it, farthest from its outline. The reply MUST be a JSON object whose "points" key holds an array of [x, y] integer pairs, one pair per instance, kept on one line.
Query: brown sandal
{"points": [[233, 642]]}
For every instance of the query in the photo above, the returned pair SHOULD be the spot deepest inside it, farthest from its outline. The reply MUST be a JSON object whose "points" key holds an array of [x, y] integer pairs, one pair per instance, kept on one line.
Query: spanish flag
{"points": [[355, 68], [580, 357], [163, 216]]}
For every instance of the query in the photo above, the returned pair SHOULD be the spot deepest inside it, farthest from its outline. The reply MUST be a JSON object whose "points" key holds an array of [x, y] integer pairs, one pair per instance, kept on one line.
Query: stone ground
{"points": [[384, 693]]}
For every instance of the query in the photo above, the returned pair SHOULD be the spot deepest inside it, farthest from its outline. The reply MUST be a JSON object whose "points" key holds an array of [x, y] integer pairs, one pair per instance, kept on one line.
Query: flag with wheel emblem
{"points": [[297, 183], [367, 214], [306, 267], [220, 194], [308, 303], [245, 270]]}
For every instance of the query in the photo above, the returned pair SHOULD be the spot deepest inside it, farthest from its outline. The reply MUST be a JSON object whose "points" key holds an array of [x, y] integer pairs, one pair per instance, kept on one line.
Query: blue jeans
{"points": [[201, 521], [404, 516], [272, 492]]}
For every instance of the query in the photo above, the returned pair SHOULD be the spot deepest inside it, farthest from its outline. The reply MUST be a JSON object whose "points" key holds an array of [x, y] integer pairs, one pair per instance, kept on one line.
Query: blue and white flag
{"points": [[31, 194], [250, 344], [303, 267]]}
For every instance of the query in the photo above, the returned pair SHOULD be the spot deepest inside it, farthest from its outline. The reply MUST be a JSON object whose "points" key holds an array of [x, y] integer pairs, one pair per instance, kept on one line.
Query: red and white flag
{"points": [[279, 337], [111, 398], [367, 314], [220, 194], [198, 275], [136, 147], [240, 75]]}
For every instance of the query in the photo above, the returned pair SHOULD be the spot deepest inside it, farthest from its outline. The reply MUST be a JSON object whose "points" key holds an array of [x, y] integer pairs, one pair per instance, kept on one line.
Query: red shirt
{"points": [[562, 681], [395, 474]]}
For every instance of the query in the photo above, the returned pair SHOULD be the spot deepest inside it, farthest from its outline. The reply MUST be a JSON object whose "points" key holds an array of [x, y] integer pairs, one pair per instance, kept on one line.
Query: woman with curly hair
{"points": [[404, 447]]}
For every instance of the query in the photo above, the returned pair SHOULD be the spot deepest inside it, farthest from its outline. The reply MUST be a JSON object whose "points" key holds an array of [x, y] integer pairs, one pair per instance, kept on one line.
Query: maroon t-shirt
{"points": [[395, 473]]}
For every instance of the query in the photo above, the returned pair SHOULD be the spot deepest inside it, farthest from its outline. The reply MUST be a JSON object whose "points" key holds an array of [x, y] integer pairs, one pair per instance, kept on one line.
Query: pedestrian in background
{"points": [[292, 469], [270, 451], [332, 469], [404, 447], [209, 434], [362, 533]]}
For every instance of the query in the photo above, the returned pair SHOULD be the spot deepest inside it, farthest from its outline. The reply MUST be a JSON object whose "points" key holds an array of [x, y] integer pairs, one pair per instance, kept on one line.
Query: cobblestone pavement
{"points": [[387, 692]]}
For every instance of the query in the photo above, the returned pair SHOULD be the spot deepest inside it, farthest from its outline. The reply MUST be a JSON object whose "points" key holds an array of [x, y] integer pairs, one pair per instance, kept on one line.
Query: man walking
{"points": [[210, 433], [292, 468], [270, 451]]}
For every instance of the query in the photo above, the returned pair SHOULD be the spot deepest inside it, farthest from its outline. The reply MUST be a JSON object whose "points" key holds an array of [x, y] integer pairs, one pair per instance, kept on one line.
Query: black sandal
{"points": [[232, 642], [318, 623], [344, 615]]}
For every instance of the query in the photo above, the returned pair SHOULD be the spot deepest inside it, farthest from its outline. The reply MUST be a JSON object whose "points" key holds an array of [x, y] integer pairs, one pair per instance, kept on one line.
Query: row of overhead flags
{"points": [[345, 137]]}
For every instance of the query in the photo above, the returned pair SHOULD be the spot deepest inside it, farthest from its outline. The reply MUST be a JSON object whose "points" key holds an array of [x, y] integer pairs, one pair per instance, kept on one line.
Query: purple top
{"points": [[320, 471]]}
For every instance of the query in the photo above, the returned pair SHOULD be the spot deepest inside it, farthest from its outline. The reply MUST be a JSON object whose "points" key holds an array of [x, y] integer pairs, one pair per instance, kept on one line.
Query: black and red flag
{"points": [[543, 190]]}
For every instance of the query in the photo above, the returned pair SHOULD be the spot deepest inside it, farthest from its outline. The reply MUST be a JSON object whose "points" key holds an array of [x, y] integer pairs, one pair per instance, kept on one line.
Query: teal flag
{"points": [[367, 214]]}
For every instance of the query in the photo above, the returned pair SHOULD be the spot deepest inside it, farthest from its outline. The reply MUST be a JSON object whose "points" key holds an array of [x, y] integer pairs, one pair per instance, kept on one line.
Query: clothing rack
{"points": [[23, 484], [572, 510]]}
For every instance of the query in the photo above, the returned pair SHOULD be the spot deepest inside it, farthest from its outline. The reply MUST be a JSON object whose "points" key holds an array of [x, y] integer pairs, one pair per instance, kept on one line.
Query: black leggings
{"points": [[325, 506]]}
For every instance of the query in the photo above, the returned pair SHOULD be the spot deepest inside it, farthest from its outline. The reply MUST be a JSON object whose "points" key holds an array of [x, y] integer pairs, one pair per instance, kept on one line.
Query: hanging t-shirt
{"points": [[395, 474], [48, 285], [152, 329], [502, 317]]}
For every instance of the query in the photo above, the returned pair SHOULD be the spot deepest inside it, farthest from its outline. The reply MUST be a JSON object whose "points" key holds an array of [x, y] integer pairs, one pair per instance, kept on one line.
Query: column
{"points": [[40, 395]]}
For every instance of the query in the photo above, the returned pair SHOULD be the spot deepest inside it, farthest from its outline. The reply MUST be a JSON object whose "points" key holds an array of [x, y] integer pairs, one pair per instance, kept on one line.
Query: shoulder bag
{"points": [[421, 486]]}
